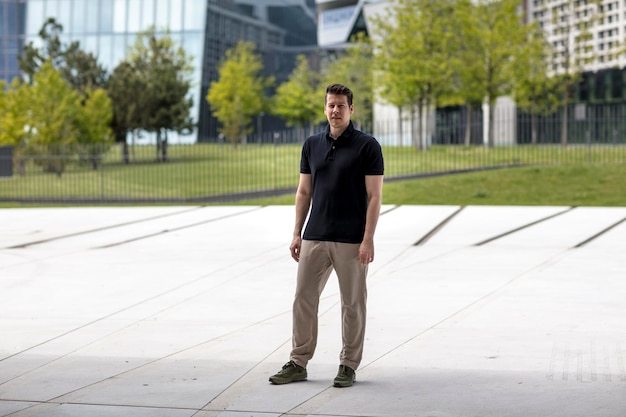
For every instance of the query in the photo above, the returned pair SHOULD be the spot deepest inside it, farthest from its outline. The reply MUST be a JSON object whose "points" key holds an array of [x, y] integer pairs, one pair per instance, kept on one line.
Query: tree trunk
{"points": [[158, 145], [399, 141], [564, 117], [164, 148], [125, 154], [490, 136], [468, 126], [533, 128]]}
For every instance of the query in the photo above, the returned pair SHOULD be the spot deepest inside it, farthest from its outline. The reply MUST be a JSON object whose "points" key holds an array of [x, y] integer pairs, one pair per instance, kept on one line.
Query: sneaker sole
{"points": [[343, 384], [283, 382]]}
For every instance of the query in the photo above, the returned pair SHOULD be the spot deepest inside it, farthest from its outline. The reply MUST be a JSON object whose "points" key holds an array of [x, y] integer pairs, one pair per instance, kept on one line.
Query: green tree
{"points": [[355, 69], [125, 87], [79, 68], [575, 52], [53, 108], [296, 100], [535, 91], [239, 94], [415, 48], [14, 115], [493, 34], [94, 133], [165, 73]]}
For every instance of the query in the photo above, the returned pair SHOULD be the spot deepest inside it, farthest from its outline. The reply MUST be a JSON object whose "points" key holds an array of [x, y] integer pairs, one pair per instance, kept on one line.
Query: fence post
{"points": [[6, 161]]}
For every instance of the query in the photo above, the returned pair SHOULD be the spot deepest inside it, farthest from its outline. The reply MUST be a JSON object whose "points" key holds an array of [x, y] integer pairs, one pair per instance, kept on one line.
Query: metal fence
{"points": [[268, 163]]}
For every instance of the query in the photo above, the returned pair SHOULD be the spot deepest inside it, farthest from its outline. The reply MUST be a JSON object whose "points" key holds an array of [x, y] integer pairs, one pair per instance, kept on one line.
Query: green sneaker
{"points": [[345, 377], [291, 372]]}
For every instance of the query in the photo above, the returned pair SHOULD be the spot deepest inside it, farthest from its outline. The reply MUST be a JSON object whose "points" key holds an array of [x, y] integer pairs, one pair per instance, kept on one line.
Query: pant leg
{"points": [[352, 285], [314, 268]]}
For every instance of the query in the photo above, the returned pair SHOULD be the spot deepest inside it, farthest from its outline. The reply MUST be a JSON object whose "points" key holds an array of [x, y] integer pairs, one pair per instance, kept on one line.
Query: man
{"points": [[341, 180]]}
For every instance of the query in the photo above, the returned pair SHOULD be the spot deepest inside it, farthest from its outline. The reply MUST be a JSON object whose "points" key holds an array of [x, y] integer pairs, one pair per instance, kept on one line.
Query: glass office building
{"points": [[204, 28], [12, 36]]}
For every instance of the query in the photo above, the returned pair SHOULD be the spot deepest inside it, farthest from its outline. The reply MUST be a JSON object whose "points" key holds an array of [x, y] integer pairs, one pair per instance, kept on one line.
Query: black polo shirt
{"points": [[338, 169]]}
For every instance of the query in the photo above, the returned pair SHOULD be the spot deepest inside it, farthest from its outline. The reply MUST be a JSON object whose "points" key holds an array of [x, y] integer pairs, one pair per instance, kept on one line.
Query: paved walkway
{"points": [[186, 311]]}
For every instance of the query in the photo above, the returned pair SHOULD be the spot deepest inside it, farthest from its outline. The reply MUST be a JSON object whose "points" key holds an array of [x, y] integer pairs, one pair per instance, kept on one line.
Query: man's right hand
{"points": [[296, 243]]}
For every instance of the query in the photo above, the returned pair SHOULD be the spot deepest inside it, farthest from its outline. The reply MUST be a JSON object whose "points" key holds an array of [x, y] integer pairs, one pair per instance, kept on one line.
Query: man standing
{"points": [[341, 180]]}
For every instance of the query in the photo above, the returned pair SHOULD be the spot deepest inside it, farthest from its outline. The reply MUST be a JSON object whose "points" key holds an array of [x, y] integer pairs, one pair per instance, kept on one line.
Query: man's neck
{"points": [[335, 133]]}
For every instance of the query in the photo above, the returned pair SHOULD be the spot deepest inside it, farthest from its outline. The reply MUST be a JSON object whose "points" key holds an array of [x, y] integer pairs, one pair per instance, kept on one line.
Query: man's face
{"points": [[338, 111]]}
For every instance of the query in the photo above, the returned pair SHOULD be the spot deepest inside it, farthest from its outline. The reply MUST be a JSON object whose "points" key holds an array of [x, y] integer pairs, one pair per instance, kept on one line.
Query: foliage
{"points": [[162, 73], [535, 91], [125, 87], [54, 105], [494, 35], [94, 133], [49, 117], [354, 68], [239, 94], [296, 100], [79, 68], [13, 115], [414, 51]]}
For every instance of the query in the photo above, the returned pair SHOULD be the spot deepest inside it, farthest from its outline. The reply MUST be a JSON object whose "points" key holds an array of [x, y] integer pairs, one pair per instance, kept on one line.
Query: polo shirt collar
{"points": [[345, 135]]}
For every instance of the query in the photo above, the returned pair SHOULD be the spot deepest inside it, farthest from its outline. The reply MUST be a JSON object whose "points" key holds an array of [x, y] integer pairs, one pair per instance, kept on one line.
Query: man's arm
{"points": [[303, 203], [374, 188]]}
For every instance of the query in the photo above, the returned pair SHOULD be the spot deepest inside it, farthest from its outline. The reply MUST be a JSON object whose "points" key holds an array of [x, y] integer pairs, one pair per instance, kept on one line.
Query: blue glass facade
{"points": [[12, 24]]}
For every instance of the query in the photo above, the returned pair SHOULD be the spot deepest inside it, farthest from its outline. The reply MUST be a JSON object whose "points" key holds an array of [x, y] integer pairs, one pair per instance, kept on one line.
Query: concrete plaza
{"points": [[475, 311]]}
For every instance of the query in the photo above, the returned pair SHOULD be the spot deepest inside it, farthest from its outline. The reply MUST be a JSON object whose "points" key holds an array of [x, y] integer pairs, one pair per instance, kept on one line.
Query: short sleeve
{"points": [[305, 167], [373, 162]]}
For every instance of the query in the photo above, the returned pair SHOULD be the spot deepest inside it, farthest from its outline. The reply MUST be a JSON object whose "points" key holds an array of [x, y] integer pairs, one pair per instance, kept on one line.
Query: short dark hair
{"points": [[339, 89]]}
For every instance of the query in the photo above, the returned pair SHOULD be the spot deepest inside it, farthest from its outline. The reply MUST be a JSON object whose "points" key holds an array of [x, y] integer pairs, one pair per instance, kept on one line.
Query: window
{"points": [[147, 14], [195, 14], [176, 17], [104, 52], [91, 18], [162, 13], [118, 48], [36, 15], [52, 10], [119, 16], [106, 16], [134, 16], [78, 16]]}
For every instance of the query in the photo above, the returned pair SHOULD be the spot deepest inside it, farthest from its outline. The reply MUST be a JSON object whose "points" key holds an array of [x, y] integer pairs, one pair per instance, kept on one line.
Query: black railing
{"points": [[268, 164]]}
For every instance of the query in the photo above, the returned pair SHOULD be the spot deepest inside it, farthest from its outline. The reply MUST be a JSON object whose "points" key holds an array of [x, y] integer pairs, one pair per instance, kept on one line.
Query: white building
{"points": [[608, 28]]}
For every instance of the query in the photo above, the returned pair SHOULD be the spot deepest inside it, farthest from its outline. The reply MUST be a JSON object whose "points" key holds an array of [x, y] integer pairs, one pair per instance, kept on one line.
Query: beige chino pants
{"points": [[317, 261]]}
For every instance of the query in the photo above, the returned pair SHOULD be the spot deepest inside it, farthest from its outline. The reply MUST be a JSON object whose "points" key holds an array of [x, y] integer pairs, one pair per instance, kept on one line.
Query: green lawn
{"points": [[576, 175], [568, 185]]}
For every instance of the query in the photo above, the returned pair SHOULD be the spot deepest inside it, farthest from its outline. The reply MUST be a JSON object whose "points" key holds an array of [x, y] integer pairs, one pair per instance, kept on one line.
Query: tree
{"points": [[238, 95], [125, 87], [573, 22], [296, 100], [94, 132], [53, 108], [164, 76], [493, 34], [14, 128], [415, 49], [79, 68], [355, 69], [535, 90]]}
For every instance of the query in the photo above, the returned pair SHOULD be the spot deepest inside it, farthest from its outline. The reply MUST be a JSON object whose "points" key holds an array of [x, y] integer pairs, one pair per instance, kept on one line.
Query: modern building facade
{"points": [[338, 20], [12, 37], [206, 29], [608, 28]]}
